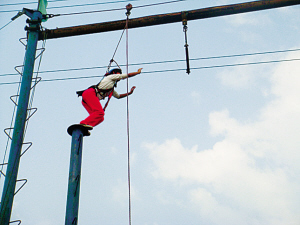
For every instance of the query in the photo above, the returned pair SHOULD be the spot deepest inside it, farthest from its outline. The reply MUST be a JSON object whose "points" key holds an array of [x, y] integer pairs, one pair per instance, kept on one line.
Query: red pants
{"points": [[92, 104]]}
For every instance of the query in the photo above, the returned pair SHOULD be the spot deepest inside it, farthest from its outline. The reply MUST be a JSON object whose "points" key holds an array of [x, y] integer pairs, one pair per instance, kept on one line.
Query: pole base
{"points": [[84, 128]]}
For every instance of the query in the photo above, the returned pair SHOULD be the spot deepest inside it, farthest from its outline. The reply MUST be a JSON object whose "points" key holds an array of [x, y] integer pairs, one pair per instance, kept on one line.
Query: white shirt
{"points": [[108, 82]]}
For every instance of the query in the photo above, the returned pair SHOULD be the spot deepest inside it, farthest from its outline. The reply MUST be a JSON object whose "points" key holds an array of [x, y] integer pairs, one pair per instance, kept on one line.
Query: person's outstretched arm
{"points": [[126, 94], [135, 73]]}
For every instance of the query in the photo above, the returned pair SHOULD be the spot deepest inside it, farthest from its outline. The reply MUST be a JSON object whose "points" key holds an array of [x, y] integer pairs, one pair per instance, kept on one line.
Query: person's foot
{"points": [[83, 127], [89, 127]]}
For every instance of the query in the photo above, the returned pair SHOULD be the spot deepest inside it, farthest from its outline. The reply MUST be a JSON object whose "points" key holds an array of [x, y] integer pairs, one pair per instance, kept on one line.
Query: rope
{"points": [[128, 7], [112, 58]]}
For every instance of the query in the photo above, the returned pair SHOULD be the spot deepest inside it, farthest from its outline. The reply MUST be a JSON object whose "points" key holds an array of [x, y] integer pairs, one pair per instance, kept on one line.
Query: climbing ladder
{"points": [[20, 183]]}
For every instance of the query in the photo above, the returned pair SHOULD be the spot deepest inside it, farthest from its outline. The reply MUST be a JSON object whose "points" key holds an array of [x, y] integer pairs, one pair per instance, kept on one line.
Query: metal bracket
{"points": [[185, 28], [34, 21], [128, 8]]}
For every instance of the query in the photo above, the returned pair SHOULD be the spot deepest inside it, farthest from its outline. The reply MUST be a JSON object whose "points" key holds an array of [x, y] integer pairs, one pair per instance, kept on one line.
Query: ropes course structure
{"points": [[31, 111]]}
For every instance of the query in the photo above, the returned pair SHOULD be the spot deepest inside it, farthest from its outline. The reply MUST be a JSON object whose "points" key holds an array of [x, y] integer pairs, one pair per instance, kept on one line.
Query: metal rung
{"points": [[22, 180], [42, 51], [8, 135], [14, 96], [21, 40], [36, 81], [30, 114], [2, 171], [27, 143], [16, 69], [16, 221]]}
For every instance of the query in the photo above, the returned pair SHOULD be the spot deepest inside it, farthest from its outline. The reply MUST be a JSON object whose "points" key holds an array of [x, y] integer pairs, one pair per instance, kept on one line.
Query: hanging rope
{"points": [[112, 58], [128, 7]]}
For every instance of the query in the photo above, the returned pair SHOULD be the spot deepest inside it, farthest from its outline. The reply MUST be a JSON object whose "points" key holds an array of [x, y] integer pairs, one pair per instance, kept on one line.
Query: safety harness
{"points": [[102, 92]]}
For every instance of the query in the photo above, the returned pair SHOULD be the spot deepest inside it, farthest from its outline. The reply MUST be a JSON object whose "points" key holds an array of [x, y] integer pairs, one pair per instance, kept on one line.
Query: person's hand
{"points": [[139, 70], [132, 89]]}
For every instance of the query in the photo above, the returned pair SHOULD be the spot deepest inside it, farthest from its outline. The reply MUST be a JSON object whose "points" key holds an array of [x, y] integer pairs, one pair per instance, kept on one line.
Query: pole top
{"points": [[85, 129]]}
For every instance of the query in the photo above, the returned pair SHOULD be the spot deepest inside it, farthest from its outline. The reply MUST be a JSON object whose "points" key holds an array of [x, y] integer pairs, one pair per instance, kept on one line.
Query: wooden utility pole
{"points": [[167, 18]]}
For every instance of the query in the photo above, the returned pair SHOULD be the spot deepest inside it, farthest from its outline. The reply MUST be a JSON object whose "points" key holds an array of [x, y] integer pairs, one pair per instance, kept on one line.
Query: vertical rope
{"points": [[128, 136]]}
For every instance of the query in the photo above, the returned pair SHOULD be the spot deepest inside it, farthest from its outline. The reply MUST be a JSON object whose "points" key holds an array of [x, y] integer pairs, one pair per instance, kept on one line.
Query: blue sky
{"points": [[218, 146]]}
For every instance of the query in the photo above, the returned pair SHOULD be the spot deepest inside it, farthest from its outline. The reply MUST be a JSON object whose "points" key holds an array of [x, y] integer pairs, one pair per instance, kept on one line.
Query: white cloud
{"points": [[212, 208], [234, 185], [251, 176]]}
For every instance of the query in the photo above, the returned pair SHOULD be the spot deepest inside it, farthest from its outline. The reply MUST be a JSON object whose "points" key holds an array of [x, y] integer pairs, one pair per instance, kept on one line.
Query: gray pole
{"points": [[77, 132], [19, 126]]}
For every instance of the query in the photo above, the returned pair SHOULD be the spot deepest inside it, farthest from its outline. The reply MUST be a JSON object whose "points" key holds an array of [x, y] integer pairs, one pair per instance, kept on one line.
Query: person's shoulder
{"points": [[123, 76], [118, 76]]}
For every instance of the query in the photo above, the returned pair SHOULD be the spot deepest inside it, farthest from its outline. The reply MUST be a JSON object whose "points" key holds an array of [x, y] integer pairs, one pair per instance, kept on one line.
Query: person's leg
{"points": [[92, 104], [87, 107]]}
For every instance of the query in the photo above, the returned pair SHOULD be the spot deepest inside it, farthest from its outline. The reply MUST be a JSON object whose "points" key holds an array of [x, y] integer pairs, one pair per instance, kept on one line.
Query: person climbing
{"points": [[105, 88]]}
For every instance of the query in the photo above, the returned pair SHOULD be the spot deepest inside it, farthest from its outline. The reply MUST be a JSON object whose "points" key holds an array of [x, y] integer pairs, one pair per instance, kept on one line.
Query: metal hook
{"points": [[184, 23]]}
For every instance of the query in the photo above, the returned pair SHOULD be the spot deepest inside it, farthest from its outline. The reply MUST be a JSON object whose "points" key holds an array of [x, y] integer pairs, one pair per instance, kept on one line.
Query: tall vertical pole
{"points": [[77, 132], [19, 126]]}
